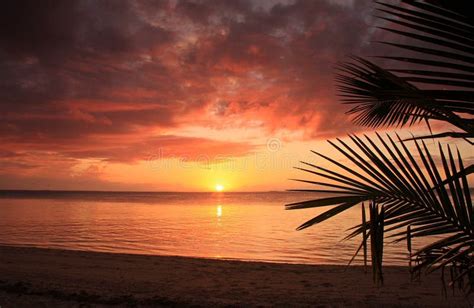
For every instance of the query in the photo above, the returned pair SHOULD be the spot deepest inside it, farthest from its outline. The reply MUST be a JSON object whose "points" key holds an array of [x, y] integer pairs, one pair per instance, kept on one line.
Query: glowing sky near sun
{"points": [[171, 95]]}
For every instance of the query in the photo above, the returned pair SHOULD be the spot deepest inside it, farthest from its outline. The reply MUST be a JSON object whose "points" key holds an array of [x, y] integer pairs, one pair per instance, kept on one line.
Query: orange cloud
{"points": [[114, 81]]}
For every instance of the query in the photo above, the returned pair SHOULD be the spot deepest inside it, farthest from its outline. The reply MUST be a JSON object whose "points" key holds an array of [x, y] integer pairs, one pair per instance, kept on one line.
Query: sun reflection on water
{"points": [[255, 227]]}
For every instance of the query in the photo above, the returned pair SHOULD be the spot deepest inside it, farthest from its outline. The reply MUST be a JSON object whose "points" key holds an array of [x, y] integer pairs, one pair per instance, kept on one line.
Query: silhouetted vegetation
{"points": [[414, 192]]}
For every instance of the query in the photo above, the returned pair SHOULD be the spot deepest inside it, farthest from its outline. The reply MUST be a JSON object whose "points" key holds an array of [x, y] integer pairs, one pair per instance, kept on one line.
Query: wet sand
{"points": [[51, 278]]}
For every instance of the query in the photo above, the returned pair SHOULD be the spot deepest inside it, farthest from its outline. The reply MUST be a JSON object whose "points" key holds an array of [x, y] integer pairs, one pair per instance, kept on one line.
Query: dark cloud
{"points": [[75, 72], [53, 31]]}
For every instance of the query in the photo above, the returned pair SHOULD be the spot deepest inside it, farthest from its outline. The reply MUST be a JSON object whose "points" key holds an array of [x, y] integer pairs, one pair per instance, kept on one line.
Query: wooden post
{"points": [[364, 236], [376, 237], [409, 249]]}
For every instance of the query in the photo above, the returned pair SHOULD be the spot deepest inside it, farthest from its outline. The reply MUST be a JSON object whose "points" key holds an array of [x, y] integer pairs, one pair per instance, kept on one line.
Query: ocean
{"points": [[228, 225]]}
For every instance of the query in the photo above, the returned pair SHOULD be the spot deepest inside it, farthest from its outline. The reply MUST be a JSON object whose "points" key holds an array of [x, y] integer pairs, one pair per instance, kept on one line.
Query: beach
{"points": [[50, 278]]}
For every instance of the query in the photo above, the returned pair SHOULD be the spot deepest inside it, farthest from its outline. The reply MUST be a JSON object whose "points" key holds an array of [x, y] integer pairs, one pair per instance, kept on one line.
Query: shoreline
{"points": [[52, 277], [151, 254]]}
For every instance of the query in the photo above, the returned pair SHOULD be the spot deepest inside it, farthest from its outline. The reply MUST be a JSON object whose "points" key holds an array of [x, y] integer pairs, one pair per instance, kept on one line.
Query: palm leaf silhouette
{"points": [[408, 186], [412, 193], [444, 43]]}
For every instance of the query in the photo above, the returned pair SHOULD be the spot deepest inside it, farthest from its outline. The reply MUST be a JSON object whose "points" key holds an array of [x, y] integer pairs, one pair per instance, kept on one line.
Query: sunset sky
{"points": [[172, 95]]}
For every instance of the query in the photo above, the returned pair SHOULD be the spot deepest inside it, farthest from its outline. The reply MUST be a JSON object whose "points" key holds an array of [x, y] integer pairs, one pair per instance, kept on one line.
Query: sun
{"points": [[219, 187]]}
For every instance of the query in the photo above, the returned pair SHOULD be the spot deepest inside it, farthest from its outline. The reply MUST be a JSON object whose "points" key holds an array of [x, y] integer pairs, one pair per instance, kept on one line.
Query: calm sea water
{"points": [[248, 226]]}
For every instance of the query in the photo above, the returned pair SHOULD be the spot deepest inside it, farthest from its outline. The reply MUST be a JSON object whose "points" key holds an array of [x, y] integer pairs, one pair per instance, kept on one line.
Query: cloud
{"points": [[88, 79], [165, 146]]}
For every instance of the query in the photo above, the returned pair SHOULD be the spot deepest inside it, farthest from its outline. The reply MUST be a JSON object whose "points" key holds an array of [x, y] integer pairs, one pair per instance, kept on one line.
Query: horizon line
{"points": [[136, 191]]}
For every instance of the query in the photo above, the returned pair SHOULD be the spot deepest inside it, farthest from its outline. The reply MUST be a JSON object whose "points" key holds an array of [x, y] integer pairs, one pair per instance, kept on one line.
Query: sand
{"points": [[50, 278]]}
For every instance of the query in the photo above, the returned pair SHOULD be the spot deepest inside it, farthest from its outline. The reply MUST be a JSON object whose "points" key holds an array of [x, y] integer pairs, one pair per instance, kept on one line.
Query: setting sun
{"points": [[219, 187]]}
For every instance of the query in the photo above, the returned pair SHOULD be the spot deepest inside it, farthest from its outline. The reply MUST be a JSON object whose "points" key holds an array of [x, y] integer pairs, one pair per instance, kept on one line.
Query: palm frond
{"points": [[381, 98], [391, 175], [408, 185], [443, 44], [412, 192]]}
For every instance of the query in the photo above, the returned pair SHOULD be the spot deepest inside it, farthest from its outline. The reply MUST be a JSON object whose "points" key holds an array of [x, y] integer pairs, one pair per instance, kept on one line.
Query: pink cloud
{"points": [[112, 80]]}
